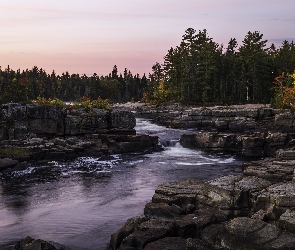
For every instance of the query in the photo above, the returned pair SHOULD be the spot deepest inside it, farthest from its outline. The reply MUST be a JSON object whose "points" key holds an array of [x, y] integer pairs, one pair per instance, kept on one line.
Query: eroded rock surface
{"points": [[246, 211]]}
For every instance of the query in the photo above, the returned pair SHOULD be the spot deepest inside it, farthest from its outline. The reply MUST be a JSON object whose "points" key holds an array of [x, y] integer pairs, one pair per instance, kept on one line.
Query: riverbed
{"points": [[81, 203]]}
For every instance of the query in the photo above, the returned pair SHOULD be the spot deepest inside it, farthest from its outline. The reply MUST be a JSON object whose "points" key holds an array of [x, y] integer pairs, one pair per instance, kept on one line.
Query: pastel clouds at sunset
{"points": [[91, 36]]}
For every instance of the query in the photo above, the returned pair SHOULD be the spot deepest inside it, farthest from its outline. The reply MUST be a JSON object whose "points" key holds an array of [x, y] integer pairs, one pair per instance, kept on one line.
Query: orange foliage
{"points": [[286, 94]]}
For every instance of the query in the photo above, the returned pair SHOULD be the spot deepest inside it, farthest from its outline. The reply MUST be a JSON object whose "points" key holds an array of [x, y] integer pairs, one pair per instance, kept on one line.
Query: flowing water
{"points": [[80, 204]]}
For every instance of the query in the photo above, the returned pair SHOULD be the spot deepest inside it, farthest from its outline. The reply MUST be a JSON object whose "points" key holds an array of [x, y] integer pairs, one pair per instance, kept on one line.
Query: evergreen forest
{"points": [[198, 71]]}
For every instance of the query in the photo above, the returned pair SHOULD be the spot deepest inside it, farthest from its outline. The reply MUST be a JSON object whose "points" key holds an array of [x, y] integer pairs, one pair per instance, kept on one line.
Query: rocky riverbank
{"points": [[253, 210], [251, 130], [46, 133]]}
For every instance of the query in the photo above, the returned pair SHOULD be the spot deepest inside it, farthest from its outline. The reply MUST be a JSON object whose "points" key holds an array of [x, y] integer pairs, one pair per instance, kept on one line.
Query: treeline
{"points": [[200, 71], [17, 86], [197, 72]]}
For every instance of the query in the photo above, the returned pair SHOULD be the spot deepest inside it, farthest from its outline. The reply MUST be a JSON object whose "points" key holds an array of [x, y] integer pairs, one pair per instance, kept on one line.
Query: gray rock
{"points": [[7, 163], [123, 119], [168, 243], [284, 121], [162, 211], [281, 195], [148, 231], [181, 193], [30, 244], [287, 220], [245, 233], [126, 230]]}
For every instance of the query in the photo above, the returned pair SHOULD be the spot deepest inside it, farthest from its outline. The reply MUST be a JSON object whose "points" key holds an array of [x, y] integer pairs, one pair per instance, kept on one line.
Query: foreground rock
{"points": [[29, 243], [247, 211]]}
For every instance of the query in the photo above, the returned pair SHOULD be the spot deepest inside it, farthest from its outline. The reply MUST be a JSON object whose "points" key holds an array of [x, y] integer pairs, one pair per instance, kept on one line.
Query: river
{"points": [[80, 204]]}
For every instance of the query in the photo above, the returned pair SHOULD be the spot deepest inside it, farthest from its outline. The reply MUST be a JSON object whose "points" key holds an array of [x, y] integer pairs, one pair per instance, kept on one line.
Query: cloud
{"points": [[280, 40], [282, 20]]}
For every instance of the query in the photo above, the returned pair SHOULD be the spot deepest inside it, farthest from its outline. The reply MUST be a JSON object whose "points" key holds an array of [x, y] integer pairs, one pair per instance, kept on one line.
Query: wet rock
{"points": [[126, 230], [7, 163], [30, 244], [162, 211], [168, 243], [147, 232], [211, 141], [258, 144]]}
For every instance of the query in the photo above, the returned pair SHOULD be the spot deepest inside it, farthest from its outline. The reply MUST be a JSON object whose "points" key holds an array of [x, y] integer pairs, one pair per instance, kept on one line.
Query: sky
{"points": [[91, 36]]}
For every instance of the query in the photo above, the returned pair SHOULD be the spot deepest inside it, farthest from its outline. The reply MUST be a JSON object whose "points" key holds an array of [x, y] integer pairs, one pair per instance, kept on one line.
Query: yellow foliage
{"points": [[293, 76], [286, 94]]}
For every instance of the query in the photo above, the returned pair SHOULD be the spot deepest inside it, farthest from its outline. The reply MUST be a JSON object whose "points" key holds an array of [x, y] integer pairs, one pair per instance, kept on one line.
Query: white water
{"points": [[81, 203]]}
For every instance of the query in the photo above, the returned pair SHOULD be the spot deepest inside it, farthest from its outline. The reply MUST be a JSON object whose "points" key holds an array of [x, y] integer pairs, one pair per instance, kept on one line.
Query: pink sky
{"points": [[91, 36]]}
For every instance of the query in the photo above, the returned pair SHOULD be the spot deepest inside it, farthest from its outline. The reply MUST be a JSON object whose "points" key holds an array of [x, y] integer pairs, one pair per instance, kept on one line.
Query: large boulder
{"points": [[168, 243], [6, 163], [232, 193], [243, 233], [79, 122], [147, 232], [244, 229], [282, 195], [45, 119], [29, 243], [122, 119], [274, 170], [126, 230], [284, 121]]}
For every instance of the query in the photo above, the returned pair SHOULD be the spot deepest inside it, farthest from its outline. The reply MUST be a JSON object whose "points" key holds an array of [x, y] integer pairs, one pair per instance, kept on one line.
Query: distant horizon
{"points": [[87, 37]]}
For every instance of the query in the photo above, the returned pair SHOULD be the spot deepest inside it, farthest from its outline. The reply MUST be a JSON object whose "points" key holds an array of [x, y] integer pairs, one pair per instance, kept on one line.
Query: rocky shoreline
{"points": [[252, 210], [45, 133]]}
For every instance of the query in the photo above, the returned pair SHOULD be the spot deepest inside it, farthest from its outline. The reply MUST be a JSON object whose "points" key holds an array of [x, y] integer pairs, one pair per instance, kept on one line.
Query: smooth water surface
{"points": [[80, 204]]}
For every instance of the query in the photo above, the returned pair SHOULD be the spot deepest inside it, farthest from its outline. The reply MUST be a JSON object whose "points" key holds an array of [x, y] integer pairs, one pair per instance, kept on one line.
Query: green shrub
{"points": [[12, 152]]}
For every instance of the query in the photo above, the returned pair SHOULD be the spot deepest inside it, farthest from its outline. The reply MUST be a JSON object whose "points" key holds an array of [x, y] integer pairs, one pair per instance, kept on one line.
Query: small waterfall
{"points": [[168, 143]]}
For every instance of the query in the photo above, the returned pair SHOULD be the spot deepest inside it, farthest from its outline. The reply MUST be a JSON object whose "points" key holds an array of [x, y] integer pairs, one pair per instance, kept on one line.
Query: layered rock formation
{"points": [[19, 121], [43, 132], [253, 210], [255, 144], [235, 118]]}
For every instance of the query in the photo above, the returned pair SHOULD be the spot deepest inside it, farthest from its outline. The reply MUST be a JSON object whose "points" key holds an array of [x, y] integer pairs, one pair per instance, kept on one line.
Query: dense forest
{"points": [[197, 72], [17, 86], [200, 71]]}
